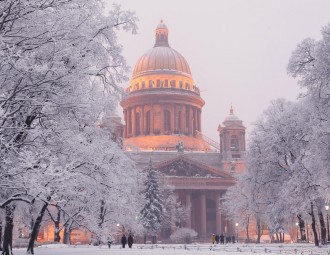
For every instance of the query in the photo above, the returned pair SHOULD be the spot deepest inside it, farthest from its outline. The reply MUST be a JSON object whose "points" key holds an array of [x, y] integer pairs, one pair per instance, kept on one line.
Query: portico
{"points": [[199, 187]]}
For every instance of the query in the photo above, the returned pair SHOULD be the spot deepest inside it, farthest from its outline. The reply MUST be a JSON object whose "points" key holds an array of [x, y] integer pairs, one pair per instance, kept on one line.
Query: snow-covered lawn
{"points": [[167, 249]]}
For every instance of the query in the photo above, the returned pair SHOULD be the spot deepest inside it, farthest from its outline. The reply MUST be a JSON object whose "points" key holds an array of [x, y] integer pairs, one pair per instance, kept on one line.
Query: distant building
{"points": [[163, 113]]}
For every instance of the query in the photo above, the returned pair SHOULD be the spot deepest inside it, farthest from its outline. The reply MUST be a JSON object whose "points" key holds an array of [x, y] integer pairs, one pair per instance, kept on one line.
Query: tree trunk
{"points": [[247, 230], [323, 228], [154, 239], [0, 234], [57, 237], [36, 226], [316, 239], [302, 228], [100, 224], [8, 233], [66, 235], [258, 229]]}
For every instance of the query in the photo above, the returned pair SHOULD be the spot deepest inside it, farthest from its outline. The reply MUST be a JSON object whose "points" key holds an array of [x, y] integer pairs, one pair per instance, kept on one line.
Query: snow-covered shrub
{"points": [[183, 235]]}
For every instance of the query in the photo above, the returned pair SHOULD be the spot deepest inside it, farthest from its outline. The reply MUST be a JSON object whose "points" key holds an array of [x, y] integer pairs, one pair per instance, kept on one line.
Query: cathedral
{"points": [[162, 112]]}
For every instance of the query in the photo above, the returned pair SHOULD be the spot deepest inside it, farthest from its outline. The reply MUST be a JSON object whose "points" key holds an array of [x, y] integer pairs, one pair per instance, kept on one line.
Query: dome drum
{"points": [[164, 96]]}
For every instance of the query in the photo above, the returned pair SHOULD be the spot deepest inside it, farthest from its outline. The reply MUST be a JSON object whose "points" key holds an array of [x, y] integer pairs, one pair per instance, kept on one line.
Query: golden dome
{"points": [[161, 58]]}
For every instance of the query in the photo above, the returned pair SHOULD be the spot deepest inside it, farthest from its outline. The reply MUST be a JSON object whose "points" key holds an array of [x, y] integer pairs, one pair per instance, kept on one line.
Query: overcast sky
{"points": [[238, 50]]}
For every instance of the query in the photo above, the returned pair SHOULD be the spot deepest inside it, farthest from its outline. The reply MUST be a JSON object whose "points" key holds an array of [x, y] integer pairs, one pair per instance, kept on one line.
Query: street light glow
{"points": [[327, 207]]}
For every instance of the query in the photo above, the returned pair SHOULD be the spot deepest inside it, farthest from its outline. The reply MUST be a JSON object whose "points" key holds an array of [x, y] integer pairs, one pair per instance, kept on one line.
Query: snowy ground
{"points": [[166, 249]]}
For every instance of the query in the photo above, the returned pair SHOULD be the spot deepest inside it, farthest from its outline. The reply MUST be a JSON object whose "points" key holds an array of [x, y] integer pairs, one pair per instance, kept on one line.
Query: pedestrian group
{"points": [[216, 239]]}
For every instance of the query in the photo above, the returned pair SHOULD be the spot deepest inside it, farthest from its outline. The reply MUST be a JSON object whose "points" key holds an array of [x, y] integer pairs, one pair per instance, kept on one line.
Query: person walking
{"points": [[109, 240], [222, 239], [213, 238], [217, 238], [123, 240], [130, 241]]}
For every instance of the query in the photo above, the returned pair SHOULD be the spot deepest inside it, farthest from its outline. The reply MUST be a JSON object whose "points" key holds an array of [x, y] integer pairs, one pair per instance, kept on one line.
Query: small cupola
{"points": [[161, 35]]}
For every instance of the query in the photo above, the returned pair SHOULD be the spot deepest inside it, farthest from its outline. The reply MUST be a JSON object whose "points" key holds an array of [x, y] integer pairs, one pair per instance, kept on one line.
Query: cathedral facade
{"points": [[163, 123]]}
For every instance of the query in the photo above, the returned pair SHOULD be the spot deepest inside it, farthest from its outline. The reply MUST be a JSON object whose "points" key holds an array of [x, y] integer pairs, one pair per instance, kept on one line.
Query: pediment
{"points": [[182, 166]]}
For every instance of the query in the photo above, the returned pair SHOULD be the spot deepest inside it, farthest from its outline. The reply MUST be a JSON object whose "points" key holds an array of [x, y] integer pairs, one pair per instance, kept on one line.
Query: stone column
{"points": [[183, 119], [191, 120], [128, 124], [188, 204], [133, 121], [244, 141], [151, 119], [161, 119], [142, 121], [125, 128], [199, 120], [218, 213], [172, 117], [195, 121], [203, 213]]}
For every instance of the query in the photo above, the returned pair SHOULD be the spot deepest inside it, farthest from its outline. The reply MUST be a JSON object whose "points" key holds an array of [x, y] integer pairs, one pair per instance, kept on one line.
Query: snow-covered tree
{"points": [[153, 211], [183, 235], [175, 213], [236, 205], [60, 64]]}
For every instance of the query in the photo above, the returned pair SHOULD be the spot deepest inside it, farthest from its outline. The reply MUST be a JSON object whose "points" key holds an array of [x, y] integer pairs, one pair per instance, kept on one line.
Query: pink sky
{"points": [[238, 50]]}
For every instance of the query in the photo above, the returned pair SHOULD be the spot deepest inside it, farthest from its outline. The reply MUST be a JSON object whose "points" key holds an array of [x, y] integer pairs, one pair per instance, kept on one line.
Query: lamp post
{"points": [[297, 224], [118, 234], [327, 209], [236, 225]]}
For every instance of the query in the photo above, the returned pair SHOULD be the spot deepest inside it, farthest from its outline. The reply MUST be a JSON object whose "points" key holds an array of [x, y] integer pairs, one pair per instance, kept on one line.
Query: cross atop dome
{"points": [[231, 110], [161, 35]]}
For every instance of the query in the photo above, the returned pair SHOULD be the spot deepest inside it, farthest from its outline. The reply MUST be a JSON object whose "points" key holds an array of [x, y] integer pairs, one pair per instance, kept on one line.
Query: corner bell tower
{"points": [[232, 137]]}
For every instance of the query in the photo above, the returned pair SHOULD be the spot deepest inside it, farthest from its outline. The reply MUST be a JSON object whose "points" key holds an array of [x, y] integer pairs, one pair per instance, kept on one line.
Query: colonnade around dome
{"points": [[170, 81], [161, 119]]}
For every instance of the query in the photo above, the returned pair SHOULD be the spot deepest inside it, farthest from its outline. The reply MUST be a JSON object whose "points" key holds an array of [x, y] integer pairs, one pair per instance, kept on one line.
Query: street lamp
{"points": [[327, 209], [118, 234], [236, 231], [297, 224]]}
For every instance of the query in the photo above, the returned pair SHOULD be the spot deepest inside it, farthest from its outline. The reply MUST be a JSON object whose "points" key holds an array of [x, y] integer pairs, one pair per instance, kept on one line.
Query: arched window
{"points": [[137, 124], [234, 145], [167, 120], [148, 122]]}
